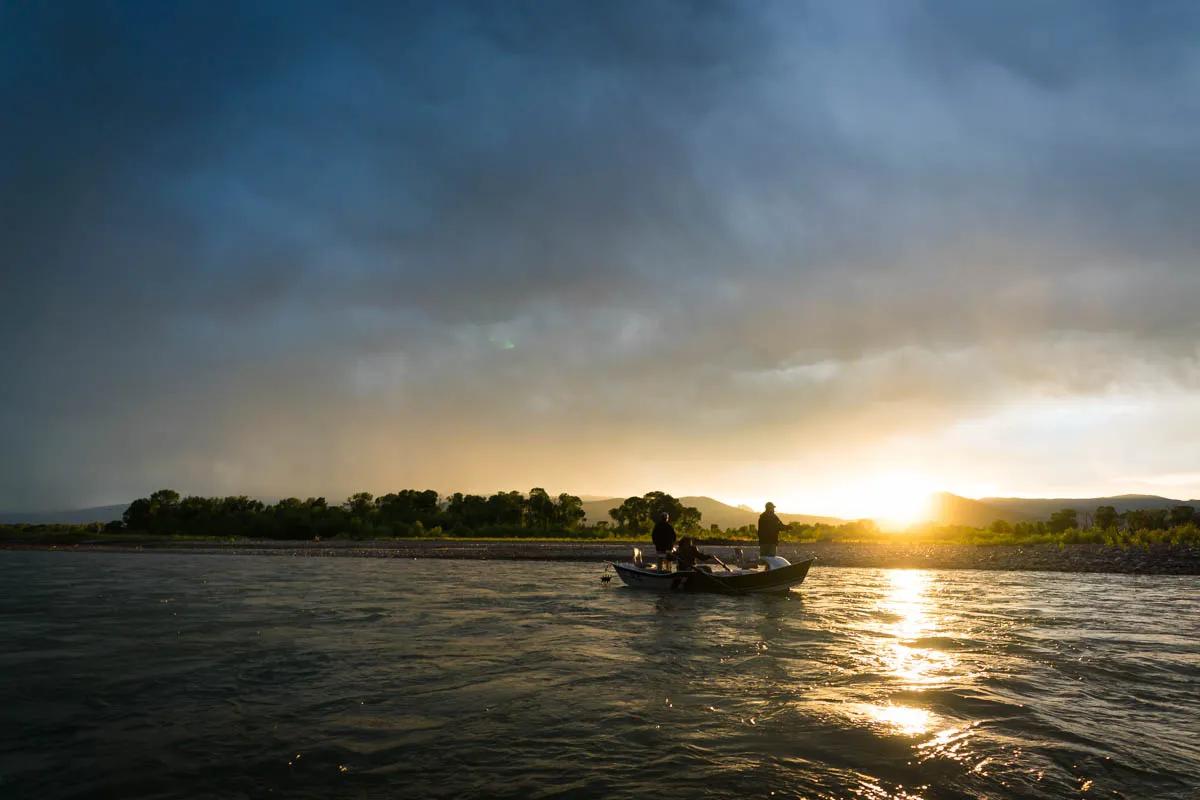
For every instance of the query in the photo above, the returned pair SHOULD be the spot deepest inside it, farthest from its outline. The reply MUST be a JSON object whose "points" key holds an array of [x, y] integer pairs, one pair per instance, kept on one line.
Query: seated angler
{"points": [[687, 555]]}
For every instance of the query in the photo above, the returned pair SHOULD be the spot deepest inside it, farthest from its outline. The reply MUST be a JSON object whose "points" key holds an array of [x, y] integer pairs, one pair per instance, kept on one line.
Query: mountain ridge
{"points": [[712, 511], [77, 516], [1043, 507]]}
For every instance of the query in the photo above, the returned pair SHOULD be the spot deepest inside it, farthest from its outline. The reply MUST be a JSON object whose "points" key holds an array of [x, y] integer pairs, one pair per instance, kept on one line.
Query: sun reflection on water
{"points": [[916, 618], [906, 599], [901, 719], [948, 743], [914, 664]]}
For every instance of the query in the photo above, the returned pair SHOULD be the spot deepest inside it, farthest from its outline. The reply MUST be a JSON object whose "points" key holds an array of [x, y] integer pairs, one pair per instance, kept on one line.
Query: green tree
{"points": [[659, 502], [400, 509], [1156, 519], [1146, 519], [164, 499], [1106, 517], [569, 511], [467, 510], [164, 511], [239, 515], [1063, 520], [506, 509], [137, 516], [292, 518], [638, 514], [540, 509], [688, 520], [198, 515], [632, 515], [1181, 515], [359, 504]]}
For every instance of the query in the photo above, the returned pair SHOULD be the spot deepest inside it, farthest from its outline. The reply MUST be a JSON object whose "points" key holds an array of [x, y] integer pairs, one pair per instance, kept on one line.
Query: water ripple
{"points": [[222, 676]]}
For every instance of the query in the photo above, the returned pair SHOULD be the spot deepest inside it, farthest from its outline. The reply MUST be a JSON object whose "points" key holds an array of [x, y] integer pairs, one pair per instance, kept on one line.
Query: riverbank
{"points": [[1154, 560]]}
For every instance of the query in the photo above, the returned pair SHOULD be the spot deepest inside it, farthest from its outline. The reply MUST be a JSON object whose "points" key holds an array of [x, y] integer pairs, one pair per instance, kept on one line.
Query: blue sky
{"points": [[800, 251]]}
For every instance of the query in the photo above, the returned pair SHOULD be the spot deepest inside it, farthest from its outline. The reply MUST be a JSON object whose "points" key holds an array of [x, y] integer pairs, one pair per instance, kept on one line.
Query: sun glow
{"points": [[894, 499]]}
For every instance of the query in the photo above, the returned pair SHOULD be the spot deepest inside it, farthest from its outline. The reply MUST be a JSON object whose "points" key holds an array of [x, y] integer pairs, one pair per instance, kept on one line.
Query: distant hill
{"points": [[950, 509], [79, 516], [711, 511], [1042, 507]]}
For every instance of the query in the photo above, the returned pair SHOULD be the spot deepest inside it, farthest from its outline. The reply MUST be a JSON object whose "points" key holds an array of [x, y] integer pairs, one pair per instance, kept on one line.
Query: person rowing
{"points": [[687, 555]]}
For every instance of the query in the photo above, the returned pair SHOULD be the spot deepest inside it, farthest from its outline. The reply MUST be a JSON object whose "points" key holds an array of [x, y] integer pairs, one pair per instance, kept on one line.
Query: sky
{"points": [[828, 254]]}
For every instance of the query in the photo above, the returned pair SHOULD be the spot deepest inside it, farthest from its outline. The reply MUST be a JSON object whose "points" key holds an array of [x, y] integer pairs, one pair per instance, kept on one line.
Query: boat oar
{"points": [[719, 561]]}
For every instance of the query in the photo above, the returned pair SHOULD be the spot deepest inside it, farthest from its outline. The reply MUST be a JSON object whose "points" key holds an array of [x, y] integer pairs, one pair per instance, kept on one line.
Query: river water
{"points": [[234, 676]]}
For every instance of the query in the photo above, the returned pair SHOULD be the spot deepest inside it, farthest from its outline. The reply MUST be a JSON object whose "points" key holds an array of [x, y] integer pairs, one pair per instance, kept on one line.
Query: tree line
{"points": [[1106, 518], [638, 514], [417, 513], [409, 512]]}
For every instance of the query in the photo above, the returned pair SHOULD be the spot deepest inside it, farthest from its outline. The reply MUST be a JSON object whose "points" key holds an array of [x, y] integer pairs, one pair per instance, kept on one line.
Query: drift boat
{"points": [[778, 577]]}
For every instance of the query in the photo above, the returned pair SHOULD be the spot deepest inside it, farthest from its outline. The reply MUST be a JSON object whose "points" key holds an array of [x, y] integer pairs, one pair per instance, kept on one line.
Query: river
{"points": [[236, 676]]}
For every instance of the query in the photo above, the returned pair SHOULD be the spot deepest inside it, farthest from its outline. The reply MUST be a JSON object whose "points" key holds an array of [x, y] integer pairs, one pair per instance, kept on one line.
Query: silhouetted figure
{"points": [[663, 537], [769, 527], [687, 555]]}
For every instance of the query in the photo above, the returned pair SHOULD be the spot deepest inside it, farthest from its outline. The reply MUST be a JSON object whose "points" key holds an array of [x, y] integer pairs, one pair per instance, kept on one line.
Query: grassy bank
{"points": [[860, 533]]}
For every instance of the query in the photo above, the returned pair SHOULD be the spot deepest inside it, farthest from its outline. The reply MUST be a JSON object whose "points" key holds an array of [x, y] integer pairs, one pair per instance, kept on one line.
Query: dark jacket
{"points": [[663, 536], [769, 525]]}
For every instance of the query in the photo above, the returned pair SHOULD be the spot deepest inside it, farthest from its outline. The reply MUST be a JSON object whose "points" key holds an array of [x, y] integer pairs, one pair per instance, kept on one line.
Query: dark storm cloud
{"points": [[276, 248]]}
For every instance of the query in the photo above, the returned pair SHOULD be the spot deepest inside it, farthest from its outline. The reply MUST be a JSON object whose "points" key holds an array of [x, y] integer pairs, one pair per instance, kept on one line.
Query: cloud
{"points": [[295, 249]]}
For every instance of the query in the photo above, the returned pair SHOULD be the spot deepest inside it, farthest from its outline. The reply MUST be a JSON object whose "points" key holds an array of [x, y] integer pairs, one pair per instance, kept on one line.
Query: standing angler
{"points": [[769, 527], [663, 537]]}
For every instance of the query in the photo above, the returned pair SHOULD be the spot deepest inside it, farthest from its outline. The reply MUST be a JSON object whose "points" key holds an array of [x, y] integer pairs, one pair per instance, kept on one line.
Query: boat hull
{"points": [[771, 581], [640, 578]]}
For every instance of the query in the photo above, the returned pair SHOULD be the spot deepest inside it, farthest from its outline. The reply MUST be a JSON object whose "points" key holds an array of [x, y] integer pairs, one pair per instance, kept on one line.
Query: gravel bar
{"points": [[1155, 560]]}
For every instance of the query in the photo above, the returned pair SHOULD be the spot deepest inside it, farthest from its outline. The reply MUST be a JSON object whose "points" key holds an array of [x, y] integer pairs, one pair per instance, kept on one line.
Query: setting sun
{"points": [[900, 499], [894, 499]]}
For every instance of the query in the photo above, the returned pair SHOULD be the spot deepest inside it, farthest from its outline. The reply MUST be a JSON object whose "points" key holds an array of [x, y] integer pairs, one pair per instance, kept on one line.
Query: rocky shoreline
{"points": [[1156, 560]]}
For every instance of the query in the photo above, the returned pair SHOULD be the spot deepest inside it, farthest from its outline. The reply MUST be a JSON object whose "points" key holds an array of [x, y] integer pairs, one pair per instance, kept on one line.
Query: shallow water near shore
{"points": [[226, 676]]}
